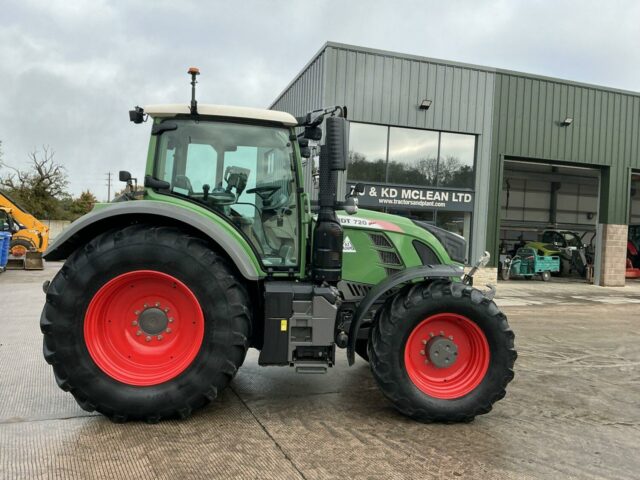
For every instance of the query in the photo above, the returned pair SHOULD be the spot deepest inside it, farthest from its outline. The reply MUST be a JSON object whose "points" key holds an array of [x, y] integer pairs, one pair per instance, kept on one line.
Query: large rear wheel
{"points": [[441, 352], [145, 323]]}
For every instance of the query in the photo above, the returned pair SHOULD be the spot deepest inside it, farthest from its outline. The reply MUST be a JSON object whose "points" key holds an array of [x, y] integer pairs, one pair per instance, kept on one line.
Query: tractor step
{"points": [[313, 368]]}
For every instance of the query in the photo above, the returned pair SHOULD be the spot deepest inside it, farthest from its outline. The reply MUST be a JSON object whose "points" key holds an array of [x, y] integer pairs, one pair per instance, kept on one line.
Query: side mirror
{"points": [[313, 133], [124, 176], [137, 115], [305, 151]]}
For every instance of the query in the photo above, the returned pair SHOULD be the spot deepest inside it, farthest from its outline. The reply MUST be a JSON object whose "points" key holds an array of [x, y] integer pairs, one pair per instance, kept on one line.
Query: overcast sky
{"points": [[71, 69]]}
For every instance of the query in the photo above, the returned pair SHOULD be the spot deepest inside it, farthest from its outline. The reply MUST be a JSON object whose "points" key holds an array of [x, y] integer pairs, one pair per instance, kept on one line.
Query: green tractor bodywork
{"points": [[224, 247]]}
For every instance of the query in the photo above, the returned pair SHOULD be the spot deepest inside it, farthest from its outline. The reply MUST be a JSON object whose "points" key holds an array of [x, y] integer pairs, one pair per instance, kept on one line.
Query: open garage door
{"points": [[633, 240], [552, 211]]}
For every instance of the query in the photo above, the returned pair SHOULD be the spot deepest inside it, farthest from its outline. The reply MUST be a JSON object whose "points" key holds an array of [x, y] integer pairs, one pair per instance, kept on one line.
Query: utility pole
{"points": [[108, 186]]}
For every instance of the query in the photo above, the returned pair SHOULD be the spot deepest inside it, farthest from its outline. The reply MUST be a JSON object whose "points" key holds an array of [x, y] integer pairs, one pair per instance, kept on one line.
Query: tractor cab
{"points": [[235, 165]]}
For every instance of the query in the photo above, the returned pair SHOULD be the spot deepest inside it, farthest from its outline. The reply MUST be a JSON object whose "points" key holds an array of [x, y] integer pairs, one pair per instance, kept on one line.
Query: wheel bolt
{"points": [[138, 333], [159, 337], [148, 339], [441, 333], [170, 319], [451, 337], [166, 309], [431, 335], [157, 304], [145, 305], [424, 342], [137, 312], [134, 323], [168, 330], [421, 352], [426, 361]]}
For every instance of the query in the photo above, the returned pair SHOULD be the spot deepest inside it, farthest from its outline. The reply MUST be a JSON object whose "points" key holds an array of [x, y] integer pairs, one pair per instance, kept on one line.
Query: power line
{"points": [[108, 186]]}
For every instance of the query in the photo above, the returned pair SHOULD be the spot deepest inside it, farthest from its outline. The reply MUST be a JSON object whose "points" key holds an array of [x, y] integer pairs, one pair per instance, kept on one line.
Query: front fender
{"points": [[376, 293], [121, 214]]}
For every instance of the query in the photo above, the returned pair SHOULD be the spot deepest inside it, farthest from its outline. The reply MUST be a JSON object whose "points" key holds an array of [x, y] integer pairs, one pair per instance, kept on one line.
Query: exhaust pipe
{"points": [[328, 235]]}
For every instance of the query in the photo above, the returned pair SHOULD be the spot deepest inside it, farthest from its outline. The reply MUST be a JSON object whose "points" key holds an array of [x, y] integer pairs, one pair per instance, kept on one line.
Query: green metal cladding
{"points": [[605, 134]]}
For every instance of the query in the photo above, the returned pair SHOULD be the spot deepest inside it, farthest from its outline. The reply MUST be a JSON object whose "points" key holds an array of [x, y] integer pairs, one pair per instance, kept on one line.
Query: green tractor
{"points": [[163, 292]]}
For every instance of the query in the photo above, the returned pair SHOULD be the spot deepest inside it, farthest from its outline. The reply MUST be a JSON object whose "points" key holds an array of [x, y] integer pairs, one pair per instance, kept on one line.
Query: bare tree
{"points": [[39, 186], [45, 175]]}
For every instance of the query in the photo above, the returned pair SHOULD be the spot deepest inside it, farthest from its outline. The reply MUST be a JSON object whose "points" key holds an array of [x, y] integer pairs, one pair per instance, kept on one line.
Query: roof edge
{"points": [[172, 109], [300, 73], [503, 71]]}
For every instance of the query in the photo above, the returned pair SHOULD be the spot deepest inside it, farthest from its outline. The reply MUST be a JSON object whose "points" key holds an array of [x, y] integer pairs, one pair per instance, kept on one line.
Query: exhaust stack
{"points": [[328, 235]]}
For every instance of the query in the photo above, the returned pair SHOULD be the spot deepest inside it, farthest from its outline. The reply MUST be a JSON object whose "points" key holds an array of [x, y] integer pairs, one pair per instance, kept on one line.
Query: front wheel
{"points": [[145, 323], [441, 352], [20, 246], [546, 276]]}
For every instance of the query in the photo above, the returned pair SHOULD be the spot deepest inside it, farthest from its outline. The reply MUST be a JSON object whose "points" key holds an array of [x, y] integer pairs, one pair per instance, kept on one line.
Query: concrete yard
{"points": [[572, 411]]}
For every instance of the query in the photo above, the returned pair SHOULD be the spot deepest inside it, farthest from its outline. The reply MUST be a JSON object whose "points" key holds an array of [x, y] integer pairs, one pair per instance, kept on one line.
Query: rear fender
{"points": [[157, 213], [377, 292]]}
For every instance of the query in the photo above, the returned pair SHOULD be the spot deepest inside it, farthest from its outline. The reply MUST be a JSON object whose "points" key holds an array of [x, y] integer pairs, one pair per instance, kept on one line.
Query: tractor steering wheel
{"points": [[264, 192], [221, 197]]}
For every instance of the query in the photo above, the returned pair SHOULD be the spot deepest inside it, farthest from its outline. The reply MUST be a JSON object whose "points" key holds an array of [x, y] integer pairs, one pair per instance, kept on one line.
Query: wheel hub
{"points": [[447, 355], [153, 321], [144, 327], [442, 352]]}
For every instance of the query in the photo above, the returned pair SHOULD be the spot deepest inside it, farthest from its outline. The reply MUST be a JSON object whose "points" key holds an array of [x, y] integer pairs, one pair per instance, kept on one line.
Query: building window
{"points": [[455, 165], [409, 156], [368, 152], [413, 157]]}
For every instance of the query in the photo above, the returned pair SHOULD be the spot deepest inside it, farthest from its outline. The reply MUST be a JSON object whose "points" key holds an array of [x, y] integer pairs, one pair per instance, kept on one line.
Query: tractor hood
{"points": [[370, 220], [454, 245]]}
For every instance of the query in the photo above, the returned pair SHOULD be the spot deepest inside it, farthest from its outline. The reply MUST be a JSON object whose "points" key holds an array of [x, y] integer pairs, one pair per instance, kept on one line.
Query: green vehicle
{"points": [[526, 263], [566, 244], [163, 292]]}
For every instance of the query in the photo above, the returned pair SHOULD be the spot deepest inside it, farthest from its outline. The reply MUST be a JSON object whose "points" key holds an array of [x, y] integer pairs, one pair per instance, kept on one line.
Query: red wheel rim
{"points": [[143, 327], [467, 367]]}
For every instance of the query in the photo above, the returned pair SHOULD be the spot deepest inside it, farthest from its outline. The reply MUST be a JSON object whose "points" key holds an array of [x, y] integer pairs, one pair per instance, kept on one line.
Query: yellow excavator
{"points": [[29, 236]]}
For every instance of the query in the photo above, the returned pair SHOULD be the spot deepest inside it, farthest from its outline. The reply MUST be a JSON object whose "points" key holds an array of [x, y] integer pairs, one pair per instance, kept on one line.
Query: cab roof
{"points": [[170, 110]]}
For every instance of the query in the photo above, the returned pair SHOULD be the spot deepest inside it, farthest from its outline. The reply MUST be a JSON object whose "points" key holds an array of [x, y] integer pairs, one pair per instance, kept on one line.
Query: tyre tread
{"points": [[381, 355], [230, 356]]}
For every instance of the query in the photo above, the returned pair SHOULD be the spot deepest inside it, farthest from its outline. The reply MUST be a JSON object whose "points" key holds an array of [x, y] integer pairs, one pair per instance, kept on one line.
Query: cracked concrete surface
{"points": [[571, 412]]}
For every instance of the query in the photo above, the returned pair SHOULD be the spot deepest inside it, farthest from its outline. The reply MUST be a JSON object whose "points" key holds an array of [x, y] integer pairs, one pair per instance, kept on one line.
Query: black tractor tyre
{"points": [[403, 313], [361, 349], [546, 276], [221, 296]]}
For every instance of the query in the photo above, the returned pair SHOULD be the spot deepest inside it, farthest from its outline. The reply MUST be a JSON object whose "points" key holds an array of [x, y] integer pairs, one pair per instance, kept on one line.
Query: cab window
{"points": [[245, 173]]}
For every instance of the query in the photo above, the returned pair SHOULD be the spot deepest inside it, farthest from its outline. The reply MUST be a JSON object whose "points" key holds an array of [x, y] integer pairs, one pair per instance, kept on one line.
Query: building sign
{"points": [[412, 198]]}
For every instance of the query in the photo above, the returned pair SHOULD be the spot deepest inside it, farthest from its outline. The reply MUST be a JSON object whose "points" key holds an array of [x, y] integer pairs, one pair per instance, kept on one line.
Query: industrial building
{"points": [[500, 157]]}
